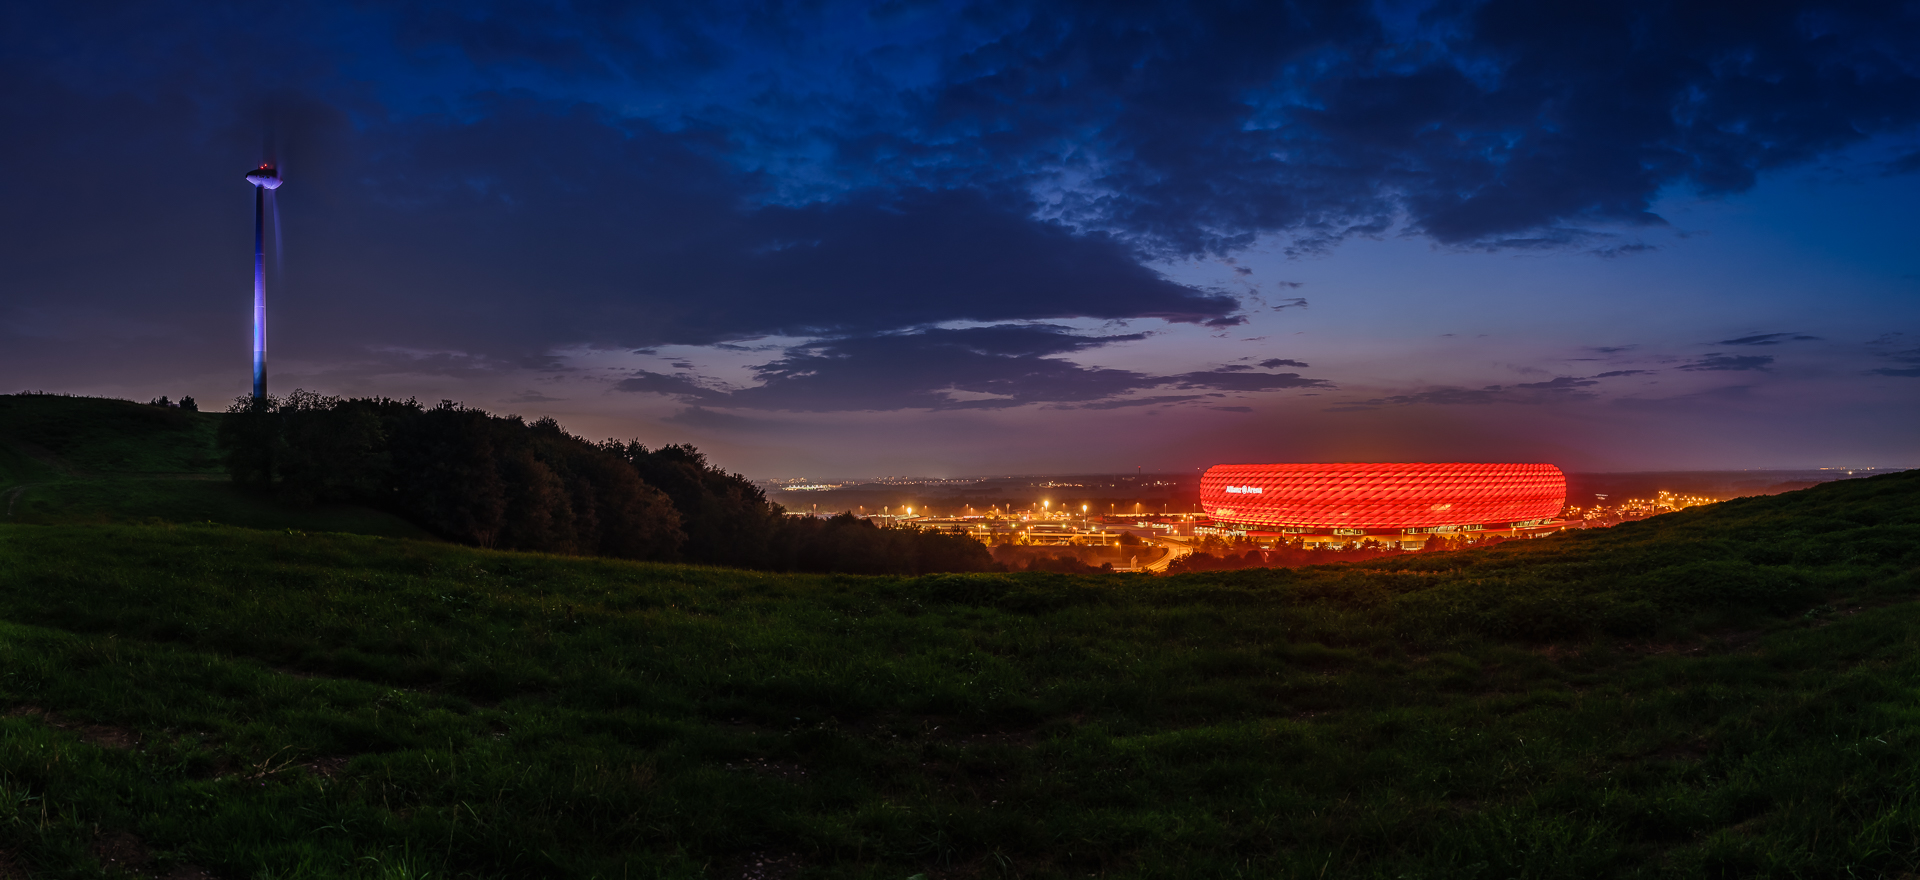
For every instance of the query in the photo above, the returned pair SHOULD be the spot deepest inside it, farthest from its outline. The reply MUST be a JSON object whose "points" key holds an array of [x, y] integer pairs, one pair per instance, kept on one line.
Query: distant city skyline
{"points": [[959, 239]]}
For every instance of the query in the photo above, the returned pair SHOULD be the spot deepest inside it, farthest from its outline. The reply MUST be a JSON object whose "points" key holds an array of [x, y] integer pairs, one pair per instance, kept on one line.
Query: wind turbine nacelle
{"points": [[266, 176]]}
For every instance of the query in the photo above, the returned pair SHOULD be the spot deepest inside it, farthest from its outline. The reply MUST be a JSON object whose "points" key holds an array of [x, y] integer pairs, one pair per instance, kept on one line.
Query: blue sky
{"points": [[842, 239]]}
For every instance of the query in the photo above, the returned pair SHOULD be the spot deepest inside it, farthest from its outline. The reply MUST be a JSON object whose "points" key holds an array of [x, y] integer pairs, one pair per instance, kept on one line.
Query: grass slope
{"points": [[95, 460], [1727, 691], [95, 435]]}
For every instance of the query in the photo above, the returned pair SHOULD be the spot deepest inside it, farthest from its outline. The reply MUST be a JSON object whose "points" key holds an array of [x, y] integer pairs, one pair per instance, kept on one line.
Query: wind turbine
{"points": [[265, 179]]}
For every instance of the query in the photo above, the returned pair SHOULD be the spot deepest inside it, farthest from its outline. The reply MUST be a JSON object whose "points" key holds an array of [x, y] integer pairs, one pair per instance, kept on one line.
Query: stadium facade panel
{"points": [[1397, 495]]}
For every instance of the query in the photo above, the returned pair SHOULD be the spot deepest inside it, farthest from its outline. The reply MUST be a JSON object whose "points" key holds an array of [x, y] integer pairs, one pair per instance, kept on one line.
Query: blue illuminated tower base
{"points": [[263, 178]]}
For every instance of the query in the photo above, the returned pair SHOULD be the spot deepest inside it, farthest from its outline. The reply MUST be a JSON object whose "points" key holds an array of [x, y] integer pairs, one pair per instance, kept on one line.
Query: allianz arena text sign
{"points": [[1381, 495]]}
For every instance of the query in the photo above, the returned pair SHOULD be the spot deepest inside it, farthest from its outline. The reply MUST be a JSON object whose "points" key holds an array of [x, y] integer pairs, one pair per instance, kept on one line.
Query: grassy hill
{"points": [[95, 460], [1725, 691]]}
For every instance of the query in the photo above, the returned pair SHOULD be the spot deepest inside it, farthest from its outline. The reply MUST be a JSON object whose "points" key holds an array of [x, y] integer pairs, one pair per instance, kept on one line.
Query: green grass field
{"points": [[99, 436], [96, 461], [1727, 691]]}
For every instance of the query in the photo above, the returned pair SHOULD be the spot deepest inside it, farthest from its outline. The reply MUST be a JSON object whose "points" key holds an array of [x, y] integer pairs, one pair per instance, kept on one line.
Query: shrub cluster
{"points": [[505, 483], [185, 403], [1217, 555]]}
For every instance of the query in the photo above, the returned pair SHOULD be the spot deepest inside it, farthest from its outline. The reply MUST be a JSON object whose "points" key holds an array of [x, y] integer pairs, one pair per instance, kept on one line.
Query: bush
{"points": [[460, 473]]}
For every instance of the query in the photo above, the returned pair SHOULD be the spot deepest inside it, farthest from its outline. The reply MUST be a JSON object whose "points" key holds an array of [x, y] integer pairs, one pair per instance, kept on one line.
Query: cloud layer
{"points": [[929, 196], [992, 367], [690, 172]]}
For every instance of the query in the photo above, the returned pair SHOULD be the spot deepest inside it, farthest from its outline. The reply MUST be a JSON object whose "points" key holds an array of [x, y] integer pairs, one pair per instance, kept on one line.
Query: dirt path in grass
{"points": [[46, 457], [43, 456], [14, 494]]}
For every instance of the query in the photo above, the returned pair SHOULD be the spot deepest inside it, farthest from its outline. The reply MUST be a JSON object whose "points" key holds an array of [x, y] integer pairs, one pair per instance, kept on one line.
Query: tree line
{"points": [[502, 482]]}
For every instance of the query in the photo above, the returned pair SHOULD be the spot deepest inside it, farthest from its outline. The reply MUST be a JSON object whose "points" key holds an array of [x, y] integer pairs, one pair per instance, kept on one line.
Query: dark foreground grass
{"points": [[1731, 691], [95, 436], [189, 499]]}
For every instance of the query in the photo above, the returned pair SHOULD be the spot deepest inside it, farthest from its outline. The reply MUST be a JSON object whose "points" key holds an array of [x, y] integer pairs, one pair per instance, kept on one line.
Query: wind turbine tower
{"points": [[264, 179]]}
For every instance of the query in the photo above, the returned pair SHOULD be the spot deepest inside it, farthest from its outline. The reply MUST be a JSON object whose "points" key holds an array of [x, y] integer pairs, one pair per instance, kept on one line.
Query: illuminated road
{"points": [[1175, 550]]}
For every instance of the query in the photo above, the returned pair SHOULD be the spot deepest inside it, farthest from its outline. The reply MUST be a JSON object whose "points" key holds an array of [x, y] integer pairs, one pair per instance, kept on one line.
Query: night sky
{"points": [[827, 239]]}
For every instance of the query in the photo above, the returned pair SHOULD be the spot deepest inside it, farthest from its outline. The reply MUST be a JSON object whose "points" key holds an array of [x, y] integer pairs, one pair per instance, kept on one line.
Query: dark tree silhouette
{"points": [[481, 479]]}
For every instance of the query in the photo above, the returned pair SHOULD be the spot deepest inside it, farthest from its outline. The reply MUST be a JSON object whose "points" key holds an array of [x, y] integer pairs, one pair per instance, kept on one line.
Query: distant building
{"points": [[1397, 504]]}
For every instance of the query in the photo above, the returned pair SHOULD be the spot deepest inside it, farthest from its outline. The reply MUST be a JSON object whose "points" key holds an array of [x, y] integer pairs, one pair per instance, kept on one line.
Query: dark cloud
{"points": [[1910, 357], [972, 368], [1234, 409], [692, 270], [1612, 349], [1768, 339], [1559, 383], [1156, 400], [1182, 127], [521, 224], [1228, 379], [1292, 302], [546, 363], [660, 383], [1730, 362], [1623, 250], [1613, 373], [1508, 123], [1270, 363], [1561, 388], [992, 367]]}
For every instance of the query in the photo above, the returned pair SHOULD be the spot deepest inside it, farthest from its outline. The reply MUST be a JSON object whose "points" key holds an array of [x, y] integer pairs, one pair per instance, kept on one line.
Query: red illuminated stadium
{"points": [[1396, 496]]}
